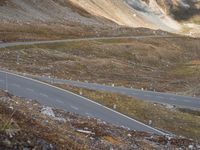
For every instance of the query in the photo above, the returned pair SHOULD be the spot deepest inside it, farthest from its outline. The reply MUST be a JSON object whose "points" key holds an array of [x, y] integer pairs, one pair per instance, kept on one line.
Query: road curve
{"points": [[4, 45], [166, 98], [55, 97], [158, 97]]}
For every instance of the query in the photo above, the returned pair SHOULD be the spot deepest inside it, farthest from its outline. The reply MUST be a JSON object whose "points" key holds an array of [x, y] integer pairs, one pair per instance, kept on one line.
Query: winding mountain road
{"points": [[157, 97], [4, 45], [55, 97]]}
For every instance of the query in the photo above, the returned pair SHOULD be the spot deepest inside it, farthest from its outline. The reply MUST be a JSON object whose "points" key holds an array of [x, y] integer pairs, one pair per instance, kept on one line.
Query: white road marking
{"points": [[76, 108]]}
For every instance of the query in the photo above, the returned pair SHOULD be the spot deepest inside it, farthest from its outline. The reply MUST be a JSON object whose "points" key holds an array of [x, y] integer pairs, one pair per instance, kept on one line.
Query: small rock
{"points": [[85, 132], [48, 111], [11, 107], [63, 120], [191, 147], [134, 146], [86, 128], [168, 106], [111, 148]]}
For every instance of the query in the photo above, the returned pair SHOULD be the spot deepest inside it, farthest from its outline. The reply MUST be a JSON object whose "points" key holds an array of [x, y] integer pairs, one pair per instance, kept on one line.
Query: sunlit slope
{"points": [[132, 13]]}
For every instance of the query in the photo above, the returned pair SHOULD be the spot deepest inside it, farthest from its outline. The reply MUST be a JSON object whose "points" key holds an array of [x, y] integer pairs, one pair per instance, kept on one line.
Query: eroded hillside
{"points": [[47, 19], [168, 15], [44, 11], [129, 13]]}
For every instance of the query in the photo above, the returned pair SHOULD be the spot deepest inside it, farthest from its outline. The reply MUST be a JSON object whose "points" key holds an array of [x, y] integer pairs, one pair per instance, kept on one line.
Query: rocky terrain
{"points": [[156, 64], [36, 19], [170, 15], [25, 124], [180, 9], [21, 11], [165, 62]]}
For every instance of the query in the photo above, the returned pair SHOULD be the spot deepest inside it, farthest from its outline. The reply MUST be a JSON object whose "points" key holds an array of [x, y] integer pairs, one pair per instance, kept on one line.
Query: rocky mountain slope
{"points": [[44, 11], [22, 20], [180, 9], [167, 15], [164, 14], [129, 13]]}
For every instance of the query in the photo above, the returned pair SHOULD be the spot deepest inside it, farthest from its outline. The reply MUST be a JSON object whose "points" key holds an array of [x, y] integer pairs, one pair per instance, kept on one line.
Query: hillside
{"points": [[76, 18], [181, 10], [138, 44], [166, 15], [21, 11], [26, 124], [129, 13], [42, 20]]}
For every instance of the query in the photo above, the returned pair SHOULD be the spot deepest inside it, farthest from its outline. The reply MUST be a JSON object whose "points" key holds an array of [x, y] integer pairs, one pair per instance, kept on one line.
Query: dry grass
{"points": [[179, 121], [196, 19], [163, 64], [52, 31], [37, 130], [29, 32], [41, 131]]}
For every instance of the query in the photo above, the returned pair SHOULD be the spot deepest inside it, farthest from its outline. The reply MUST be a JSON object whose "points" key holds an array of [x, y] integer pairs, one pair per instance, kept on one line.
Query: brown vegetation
{"points": [[2, 2], [179, 121], [31, 129], [10, 32], [163, 64]]}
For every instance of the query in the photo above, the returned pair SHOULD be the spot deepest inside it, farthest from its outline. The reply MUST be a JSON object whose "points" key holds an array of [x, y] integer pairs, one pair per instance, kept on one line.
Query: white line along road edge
{"points": [[86, 100]]}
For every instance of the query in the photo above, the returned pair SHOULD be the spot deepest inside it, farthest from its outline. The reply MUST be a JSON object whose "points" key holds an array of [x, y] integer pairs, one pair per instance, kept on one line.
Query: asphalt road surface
{"points": [[157, 97], [62, 99]]}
